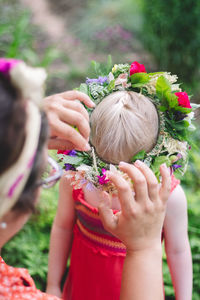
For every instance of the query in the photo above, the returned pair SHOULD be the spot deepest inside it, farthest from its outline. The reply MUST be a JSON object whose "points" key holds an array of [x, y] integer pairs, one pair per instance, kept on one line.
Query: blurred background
{"points": [[64, 36]]}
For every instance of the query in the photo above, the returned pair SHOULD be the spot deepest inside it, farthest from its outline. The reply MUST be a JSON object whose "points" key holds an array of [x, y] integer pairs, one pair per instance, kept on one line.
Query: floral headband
{"points": [[175, 116], [30, 83]]}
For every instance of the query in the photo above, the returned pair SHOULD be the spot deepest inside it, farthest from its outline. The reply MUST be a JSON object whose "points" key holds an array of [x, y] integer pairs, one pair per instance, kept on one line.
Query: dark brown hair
{"points": [[12, 137]]}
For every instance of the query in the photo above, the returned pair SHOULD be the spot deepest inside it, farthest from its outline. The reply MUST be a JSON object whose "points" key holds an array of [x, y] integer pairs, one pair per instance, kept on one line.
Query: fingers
{"points": [[139, 181], [66, 132], [166, 183], [151, 179], [75, 118], [125, 193], [75, 105], [76, 95], [56, 143], [106, 214]]}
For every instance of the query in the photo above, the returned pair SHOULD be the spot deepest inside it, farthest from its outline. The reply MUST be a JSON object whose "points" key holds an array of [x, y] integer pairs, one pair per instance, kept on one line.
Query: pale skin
{"points": [[64, 110], [138, 225]]}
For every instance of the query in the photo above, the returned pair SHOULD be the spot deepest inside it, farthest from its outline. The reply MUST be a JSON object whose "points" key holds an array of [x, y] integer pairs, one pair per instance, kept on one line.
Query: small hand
{"points": [[139, 223], [63, 113]]}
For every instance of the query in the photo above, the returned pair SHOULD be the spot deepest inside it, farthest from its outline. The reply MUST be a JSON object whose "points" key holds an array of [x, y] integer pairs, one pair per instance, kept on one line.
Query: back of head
{"points": [[12, 120], [123, 124], [13, 134]]}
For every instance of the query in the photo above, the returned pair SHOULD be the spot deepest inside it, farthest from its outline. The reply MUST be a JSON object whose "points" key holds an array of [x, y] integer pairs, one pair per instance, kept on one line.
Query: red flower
{"points": [[63, 152], [137, 68], [183, 99]]}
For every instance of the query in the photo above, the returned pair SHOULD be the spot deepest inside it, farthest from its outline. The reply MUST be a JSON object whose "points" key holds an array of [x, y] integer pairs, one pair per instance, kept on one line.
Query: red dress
{"points": [[16, 283], [97, 256]]}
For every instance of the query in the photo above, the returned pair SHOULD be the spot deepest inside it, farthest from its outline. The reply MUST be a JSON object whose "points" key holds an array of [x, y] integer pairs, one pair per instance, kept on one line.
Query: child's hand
{"points": [[139, 223], [62, 112], [54, 290]]}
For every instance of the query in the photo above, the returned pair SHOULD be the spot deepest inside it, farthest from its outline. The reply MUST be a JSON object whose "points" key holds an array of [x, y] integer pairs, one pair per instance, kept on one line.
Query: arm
{"points": [[139, 225], [177, 244], [64, 111], [61, 238]]}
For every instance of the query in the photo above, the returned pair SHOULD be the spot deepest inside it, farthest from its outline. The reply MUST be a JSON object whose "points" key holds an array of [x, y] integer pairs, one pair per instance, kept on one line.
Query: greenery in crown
{"points": [[175, 114]]}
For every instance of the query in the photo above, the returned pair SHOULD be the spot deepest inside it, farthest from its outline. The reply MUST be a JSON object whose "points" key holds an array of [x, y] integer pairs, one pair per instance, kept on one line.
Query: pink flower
{"points": [[102, 179], [6, 64], [122, 80], [183, 99], [66, 152], [137, 68]]}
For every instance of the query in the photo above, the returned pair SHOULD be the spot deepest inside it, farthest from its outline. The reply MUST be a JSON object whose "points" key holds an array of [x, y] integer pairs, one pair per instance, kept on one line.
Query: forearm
{"points": [[180, 265], [142, 275], [60, 245]]}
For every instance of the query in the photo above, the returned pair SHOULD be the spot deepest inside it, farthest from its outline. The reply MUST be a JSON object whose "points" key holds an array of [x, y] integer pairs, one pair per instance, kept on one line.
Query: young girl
{"points": [[136, 118]]}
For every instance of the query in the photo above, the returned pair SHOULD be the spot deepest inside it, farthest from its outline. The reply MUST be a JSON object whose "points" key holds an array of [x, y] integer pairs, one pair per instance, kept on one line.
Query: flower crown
{"points": [[175, 117]]}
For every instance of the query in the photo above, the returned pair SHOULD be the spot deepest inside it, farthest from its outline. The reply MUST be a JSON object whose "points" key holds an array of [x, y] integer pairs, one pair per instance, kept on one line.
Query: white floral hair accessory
{"points": [[175, 117], [30, 82]]}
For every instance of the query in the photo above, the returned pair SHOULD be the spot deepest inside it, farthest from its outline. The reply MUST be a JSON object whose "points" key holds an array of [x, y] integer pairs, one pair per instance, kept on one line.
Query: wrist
{"points": [[150, 250]]}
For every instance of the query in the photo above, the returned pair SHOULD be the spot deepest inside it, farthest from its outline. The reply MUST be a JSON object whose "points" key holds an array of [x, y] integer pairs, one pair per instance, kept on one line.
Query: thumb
{"points": [[106, 214]]}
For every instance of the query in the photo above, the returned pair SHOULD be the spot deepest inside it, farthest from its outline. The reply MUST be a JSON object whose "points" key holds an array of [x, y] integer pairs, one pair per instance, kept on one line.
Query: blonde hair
{"points": [[123, 124]]}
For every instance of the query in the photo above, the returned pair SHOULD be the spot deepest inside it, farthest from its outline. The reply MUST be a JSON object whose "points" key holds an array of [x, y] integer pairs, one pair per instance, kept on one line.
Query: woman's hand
{"points": [[63, 113], [139, 223]]}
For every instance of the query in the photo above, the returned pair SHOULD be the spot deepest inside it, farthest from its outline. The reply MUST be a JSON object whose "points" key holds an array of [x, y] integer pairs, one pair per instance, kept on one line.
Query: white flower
{"points": [[113, 168], [175, 146], [110, 77], [151, 85], [30, 81], [84, 168], [176, 88], [189, 119], [171, 78]]}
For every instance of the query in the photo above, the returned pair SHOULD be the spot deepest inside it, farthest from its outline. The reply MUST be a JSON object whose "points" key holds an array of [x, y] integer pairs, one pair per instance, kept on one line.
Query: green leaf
{"points": [[162, 86], [140, 155], [159, 161], [139, 79], [72, 160], [109, 64], [156, 73], [184, 110], [83, 88], [111, 85], [171, 99], [96, 67], [162, 108]]}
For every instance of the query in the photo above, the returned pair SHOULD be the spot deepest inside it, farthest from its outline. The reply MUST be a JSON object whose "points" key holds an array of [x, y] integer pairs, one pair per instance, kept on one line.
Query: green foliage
{"points": [[29, 248], [172, 33], [139, 79], [140, 155], [100, 69], [17, 36]]}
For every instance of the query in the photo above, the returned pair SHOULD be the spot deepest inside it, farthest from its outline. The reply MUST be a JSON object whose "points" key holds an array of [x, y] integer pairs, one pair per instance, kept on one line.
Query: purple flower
{"points": [[175, 166], [69, 167], [101, 80], [72, 153], [6, 64], [102, 179]]}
